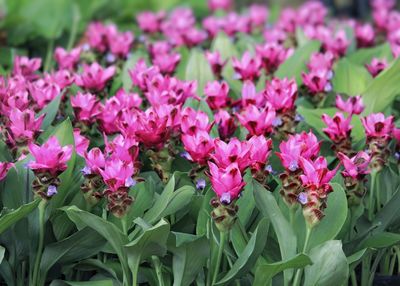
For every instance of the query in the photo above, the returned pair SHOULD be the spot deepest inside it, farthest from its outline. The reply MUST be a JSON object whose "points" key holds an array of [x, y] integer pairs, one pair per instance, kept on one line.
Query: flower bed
{"points": [[229, 149]]}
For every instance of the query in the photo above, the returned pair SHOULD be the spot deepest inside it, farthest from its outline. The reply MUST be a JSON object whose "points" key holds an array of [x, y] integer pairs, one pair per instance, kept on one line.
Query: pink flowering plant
{"points": [[205, 145]]}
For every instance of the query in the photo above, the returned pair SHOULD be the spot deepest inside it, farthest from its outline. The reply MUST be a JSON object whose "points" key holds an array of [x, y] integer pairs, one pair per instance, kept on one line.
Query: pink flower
{"points": [[337, 43], [95, 161], [167, 63], [81, 142], [128, 100], [304, 144], [288, 20], [321, 61], [353, 105], [117, 174], [380, 17], [226, 124], [317, 81], [110, 115], [248, 68], [281, 94], [120, 43], [272, 55], [250, 95], [260, 149], [217, 94], [159, 47], [23, 127], [193, 121], [62, 78], [96, 35], [376, 66], [86, 107], [232, 152], [26, 67], [214, 5], [355, 167], [216, 63], [396, 135], [338, 127], [123, 148], [194, 37], [258, 15], [67, 60], [274, 35], [4, 167], [173, 113], [43, 91], [141, 74], [227, 182], [50, 157], [316, 174], [312, 13], [256, 121], [199, 146], [150, 22], [383, 4], [377, 126], [365, 35], [94, 77], [152, 129]]}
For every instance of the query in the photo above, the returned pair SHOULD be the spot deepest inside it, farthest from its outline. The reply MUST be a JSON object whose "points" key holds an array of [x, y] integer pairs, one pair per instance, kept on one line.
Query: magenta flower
{"points": [[338, 128], [260, 149], [26, 67], [214, 5], [23, 127], [94, 77], [110, 115], [43, 91], [4, 167], [95, 161], [217, 94], [248, 68], [128, 100], [317, 175], [355, 167], [376, 66], [81, 142], [86, 107], [96, 35], [281, 94], [337, 43], [250, 95], [67, 60], [288, 20], [216, 63], [272, 55], [141, 75], [150, 22], [226, 123], [117, 174], [232, 152], [123, 148], [227, 182], [321, 61], [353, 105], [212, 25], [377, 126], [365, 35], [256, 121], [152, 129], [193, 121], [62, 78], [199, 146], [274, 35], [396, 135], [167, 63], [317, 81], [120, 43], [258, 15], [312, 13], [159, 47], [50, 157]]}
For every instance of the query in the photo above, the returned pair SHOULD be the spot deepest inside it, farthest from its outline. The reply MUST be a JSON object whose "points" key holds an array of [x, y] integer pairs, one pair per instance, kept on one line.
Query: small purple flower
{"points": [[129, 182], [200, 184], [302, 198], [298, 118], [293, 166], [269, 169], [328, 87], [397, 155], [110, 58], [86, 171], [51, 190], [225, 198], [186, 155], [277, 122]]}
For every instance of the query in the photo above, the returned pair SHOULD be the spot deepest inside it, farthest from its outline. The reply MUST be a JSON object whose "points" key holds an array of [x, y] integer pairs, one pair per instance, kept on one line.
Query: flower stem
{"points": [[134, 271], [297, 277], [371, 206], [222, 240], [157, 266], [74, 27], [42, 211]]}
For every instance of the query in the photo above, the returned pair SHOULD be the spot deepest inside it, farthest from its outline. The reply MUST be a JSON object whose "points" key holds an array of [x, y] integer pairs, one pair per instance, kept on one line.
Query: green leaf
{"points": [[335, 217], [350, 78], [246, 203], [9, 219], [356, 256], [382, 240], [190, 253], [198, 69], [329, 265], [266, 271], [383, 89], [51, 111], [2, 252], [268, 206], [91, 283], [296, 64], [365, 56], [250, 254]]}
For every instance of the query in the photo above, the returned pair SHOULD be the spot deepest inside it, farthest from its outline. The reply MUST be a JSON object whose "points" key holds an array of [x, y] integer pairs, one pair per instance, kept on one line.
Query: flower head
{"points": [[353, 105], [95, 160], [248, 68], [272, 55], [260, 149], [199, 146], [26, 67], [94, 77], [356, 166], [4, 167], [217, 94], [281, 94], [256, 121], [67, 60], [316, 174], [376, 125], [376, 66], [226, 123], [338, 127], [216, 63], [86, 107], [117, 174], [23, 126], [232, 152]]}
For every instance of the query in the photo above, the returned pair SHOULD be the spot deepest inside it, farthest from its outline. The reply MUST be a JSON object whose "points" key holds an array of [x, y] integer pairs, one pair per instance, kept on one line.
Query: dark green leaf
{"points": [[14, 216]]}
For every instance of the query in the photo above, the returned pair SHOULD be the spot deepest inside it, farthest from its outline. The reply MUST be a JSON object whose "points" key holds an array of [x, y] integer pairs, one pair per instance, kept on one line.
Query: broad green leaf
{"points": [[382, 240], [250, 254], [14, 216], [365, 56], [313, 117], [82, 244], [204, 214], [329, 266], [51, 111], [246, 203], [335, 217], [2, 252], [356, 256], [350, 78], [296, 63], [268, 206], [90, 283], [190, 253], [266, 271], [198, 69], [383, 89]]}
